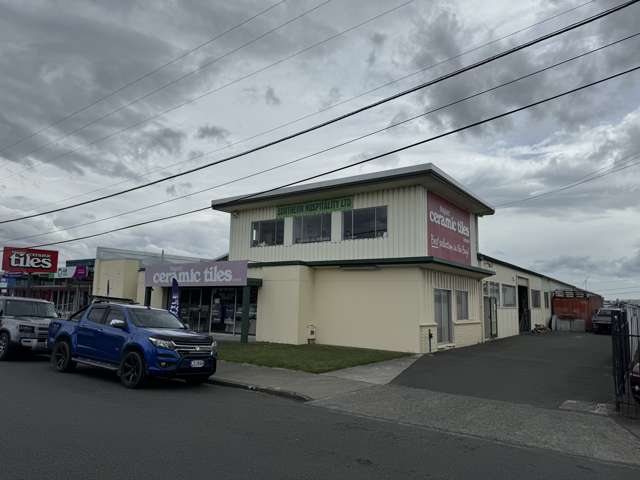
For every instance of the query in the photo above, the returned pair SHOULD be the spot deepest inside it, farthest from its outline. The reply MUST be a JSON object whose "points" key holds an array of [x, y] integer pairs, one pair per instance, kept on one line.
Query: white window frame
{"points": [[515, 297], [466, 294]]}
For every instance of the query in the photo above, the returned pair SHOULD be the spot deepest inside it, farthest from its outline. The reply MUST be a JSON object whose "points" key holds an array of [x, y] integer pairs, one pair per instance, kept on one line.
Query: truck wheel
{"points": [[61, 357], [199, 380], [5, 345], [132, 370]]}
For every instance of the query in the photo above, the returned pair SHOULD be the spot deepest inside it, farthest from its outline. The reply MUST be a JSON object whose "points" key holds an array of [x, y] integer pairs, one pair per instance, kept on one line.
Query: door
{"points": [[110, 340], [524, 313], [442, 304], [490, 317], [87, 331]]}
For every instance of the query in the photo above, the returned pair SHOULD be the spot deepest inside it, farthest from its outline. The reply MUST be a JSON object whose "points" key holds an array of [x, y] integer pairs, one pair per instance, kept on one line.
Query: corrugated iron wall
{"points": [[406, 226]]}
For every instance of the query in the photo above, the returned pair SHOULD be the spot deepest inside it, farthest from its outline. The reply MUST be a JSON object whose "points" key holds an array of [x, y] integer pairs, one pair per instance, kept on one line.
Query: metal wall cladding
{"points": [[406, 231], [447, 281]]}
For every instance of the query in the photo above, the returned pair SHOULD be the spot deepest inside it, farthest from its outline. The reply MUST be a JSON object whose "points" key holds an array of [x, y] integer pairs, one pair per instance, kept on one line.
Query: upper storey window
{"points": [[267, 232], [312, 228], [364, 223]]}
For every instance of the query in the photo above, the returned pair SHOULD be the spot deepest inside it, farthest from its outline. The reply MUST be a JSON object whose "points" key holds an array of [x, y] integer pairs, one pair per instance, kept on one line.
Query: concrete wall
{"points": [[120, 275], [406, 227]]}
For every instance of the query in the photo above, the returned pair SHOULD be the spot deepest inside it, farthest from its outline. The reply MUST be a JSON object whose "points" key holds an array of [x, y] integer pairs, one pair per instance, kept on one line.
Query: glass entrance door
{"points": [[442, 306]]}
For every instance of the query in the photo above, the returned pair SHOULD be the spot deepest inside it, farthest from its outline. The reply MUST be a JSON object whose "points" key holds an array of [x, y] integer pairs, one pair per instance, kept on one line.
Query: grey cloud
{"points": [[271, 98], [219, 134], [178, 189]]}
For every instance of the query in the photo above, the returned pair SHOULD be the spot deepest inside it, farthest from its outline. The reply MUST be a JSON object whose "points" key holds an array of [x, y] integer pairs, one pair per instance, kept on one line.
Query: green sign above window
{"points": [[314, 208]]}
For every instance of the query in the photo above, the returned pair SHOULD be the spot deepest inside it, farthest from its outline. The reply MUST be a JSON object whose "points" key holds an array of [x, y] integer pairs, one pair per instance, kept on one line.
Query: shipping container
{"points": [[575, 305]]}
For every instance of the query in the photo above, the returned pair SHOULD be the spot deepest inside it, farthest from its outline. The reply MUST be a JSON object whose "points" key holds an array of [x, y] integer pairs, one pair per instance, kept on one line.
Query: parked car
{"points": [[601, 321], [135, 341], [24, 323]]}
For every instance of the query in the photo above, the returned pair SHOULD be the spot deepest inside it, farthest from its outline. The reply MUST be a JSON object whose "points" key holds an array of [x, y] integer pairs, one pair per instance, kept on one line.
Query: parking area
{"points": [[541, 370]]}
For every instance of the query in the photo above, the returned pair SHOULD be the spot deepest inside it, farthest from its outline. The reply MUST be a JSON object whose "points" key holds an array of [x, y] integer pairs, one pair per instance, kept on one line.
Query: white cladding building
{"points": [[385, 260]]}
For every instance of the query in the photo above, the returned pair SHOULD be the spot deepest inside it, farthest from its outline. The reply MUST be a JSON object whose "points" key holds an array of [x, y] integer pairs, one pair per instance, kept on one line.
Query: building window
{"points": [[364, 223], [508, 296], [312, 228], [546, 300], [492, 289], [535, 298], [462, 305], [267, 233]]}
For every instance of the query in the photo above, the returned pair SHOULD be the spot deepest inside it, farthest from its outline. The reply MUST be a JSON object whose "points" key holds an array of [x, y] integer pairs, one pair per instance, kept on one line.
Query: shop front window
{"points": [[462, 305], [508, 296], [312, 228]]}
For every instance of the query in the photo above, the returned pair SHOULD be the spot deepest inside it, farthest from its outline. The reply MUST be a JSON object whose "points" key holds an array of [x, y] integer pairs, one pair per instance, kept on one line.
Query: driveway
{"points": [[541, 370]]}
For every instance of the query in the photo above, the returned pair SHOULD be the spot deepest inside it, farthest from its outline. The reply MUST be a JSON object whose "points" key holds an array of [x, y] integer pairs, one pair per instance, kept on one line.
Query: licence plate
{"points": [[197, 363]]}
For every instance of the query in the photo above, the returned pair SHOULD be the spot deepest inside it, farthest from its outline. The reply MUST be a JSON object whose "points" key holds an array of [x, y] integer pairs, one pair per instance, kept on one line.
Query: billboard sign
{"points": [[448, 230], [29, 260], [199, 274]]}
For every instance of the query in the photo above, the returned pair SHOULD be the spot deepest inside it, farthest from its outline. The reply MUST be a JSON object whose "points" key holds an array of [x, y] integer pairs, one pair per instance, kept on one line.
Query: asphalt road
{"points": [[84, 425], [540, 370]]}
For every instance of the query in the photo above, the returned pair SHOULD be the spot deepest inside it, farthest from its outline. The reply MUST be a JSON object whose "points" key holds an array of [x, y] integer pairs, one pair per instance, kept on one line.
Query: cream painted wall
{"points": [[158, 294], [406, 231], [369, 308], [386, 308], [284, 307], [508, 324], [121, 275]]}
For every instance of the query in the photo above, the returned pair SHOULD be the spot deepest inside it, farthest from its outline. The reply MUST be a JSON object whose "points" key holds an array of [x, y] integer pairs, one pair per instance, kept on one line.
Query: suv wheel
{"points": [[61, 357], [5, 345], [132, 370]]}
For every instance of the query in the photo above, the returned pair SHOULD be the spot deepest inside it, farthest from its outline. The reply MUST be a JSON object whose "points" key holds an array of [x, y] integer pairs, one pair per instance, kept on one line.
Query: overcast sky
{"points": [[59, 56]]}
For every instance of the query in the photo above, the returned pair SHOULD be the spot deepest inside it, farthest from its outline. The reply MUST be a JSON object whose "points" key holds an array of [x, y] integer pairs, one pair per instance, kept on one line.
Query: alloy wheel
{"points": [[131, 370]]}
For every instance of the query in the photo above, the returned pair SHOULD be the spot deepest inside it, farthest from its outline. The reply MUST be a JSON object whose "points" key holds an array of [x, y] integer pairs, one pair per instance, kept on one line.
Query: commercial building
{"points": [[387, 260], [207, 304], [69, 288]]}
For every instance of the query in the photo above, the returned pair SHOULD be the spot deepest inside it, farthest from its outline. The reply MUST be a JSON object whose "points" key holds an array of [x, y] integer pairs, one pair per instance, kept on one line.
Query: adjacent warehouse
{"points": [[516, 299]]}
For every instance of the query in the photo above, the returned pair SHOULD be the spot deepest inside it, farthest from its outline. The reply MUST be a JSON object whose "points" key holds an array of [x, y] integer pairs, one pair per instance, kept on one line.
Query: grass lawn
{"points": [[308, 358]]}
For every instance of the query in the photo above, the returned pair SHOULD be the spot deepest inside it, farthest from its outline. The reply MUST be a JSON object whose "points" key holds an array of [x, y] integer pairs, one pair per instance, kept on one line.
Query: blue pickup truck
{"points": [[135, 341]]}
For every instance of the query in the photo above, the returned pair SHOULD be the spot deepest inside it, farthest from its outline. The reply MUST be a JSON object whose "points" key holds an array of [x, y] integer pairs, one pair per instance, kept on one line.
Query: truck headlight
{"points": [[160, 343], [214, 344], [26, 329]]}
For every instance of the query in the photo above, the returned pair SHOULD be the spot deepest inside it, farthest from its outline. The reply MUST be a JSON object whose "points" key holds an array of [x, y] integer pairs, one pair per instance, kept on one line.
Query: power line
{"points": [[142, 77], [596, 175], [212, 91], [333, 147], [375, 157], [339, 103], [166, 85], [346, 115]]}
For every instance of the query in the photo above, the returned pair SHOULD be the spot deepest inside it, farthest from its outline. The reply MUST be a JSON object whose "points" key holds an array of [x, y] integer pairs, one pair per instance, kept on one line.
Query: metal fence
{"points": [[625, 338]]}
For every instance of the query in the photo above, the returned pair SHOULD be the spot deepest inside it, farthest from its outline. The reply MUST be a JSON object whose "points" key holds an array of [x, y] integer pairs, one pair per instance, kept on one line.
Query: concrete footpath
{"points": [[584, 434], [286, 383]]}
